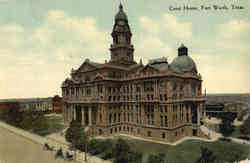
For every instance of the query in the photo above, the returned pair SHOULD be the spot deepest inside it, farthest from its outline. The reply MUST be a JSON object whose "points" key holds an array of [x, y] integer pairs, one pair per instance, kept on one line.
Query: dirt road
{"points": [[17, 149]]}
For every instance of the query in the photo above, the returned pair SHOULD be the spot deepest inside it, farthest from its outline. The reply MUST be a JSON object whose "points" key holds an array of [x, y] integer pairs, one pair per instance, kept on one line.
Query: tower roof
{"points": [[121, 15]]}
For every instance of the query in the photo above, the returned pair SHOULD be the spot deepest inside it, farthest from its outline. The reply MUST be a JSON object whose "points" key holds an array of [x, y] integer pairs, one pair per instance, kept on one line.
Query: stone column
{"points": [[90, 115], [190, 113], [155, 89], [83, 115], [142, 114], [157, 115], [198, 114], [184, 113], [74, 111]]}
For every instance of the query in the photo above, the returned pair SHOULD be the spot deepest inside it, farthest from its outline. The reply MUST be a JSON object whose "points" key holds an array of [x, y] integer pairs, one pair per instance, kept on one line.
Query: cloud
{"points": [[3, 1], [158, 33], [222, 74], [43, 60], [180, 30], [234, 36], [234, 29], [167, 24], [152, 47]]}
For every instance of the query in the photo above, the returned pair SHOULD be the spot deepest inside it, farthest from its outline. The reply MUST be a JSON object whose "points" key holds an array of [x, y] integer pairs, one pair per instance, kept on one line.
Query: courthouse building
{"points": [[158, 101]]}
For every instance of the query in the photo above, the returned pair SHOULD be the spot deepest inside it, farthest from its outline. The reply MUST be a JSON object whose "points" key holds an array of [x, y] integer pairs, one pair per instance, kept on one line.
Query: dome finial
{"points": [[120, 6], [121, 14]]}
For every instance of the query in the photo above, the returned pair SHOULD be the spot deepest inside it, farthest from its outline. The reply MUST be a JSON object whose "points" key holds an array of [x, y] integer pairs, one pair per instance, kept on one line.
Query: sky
{"points": [[42, 40]]}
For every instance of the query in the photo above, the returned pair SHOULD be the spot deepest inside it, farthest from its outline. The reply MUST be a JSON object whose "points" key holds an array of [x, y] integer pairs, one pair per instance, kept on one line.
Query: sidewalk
{"points": [[53, 140], [215, 136]]}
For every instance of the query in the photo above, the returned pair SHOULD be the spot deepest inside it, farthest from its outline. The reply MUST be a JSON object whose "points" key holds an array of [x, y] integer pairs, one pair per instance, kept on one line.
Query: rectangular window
{"points": [[138, 89], [165, 97], [88, 91], [149, 133], [161, 121], [166, 108], [166, 121]]}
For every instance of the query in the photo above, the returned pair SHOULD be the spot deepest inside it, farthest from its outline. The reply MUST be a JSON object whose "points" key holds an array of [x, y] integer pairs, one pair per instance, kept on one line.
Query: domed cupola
{"points": [[182, 50], [121, 14], [121, 50], [183, 63]]}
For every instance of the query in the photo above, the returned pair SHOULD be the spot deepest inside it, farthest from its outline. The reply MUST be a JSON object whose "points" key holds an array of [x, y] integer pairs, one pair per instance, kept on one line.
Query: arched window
{"points": [[193, 91], [115, 118], [110, 118], [100, 131], [174, 90], [181, 91]]}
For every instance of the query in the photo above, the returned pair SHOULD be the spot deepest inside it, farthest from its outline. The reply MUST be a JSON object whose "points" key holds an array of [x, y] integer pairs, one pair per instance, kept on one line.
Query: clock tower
{"points": [[122, 51]]}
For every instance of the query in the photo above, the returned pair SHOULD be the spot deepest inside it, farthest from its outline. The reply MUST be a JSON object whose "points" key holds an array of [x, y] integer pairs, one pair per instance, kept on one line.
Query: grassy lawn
{"points": [[55, 124], [189, 151], [236, 132]]}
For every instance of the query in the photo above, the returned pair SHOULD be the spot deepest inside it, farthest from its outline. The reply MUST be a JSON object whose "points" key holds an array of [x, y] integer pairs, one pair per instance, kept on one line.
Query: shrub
{"points": [[156, 158], [225, 139]]}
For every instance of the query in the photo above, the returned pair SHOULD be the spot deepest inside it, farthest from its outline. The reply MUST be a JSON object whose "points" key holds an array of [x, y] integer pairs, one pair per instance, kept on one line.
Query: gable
{"points": [[149, 69], [86, 67], [98, 77]]}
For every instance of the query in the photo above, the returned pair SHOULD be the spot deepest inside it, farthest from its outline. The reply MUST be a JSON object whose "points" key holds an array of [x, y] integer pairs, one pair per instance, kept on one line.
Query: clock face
{"points": [[121, 22]]}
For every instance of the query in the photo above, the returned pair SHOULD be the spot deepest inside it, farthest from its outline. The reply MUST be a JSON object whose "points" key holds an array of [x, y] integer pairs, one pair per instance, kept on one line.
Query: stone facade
{"points": [[158, 101]]}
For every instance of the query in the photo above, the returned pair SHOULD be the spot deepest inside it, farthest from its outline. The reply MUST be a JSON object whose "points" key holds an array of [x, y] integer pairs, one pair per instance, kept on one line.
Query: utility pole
{"points": [[86, 142]]}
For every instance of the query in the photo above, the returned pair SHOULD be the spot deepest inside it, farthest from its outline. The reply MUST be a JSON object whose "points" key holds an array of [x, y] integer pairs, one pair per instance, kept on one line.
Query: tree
{"points": [[80, 139], [14, 117], [4, 113], [226, 127], [206, 156], [40, 123], [245, 127], [72, 131], [121, 151], [135, 157], [156, 158], [76, 136]]}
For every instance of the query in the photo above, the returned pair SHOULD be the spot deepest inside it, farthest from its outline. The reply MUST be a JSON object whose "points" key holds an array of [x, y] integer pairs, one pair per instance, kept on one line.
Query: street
{"points": [[17, 149]]}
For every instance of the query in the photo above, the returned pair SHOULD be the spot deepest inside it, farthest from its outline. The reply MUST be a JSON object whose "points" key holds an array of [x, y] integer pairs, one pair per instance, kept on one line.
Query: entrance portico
{"points": [[85, 114]]}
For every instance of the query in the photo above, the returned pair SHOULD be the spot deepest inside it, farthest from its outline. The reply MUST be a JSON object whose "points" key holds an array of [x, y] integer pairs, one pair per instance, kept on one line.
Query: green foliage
{"points": [[121, 151], [97, 146], [33, 121], [75, 135], [156, 158], [206, 156], [226, 127], [245, 127], [71, 131], [135, 157], [4, 114]]}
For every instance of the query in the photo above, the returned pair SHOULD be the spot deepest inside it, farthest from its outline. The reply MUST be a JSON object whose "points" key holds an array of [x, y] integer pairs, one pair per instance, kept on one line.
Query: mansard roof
{"points": [[88, 65]]}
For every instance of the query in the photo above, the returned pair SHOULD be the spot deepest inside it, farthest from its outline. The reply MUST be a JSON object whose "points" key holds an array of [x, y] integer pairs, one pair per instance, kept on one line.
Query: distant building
{"points": [[34, 104], [218, 110], [4, 104], [57, 103], [158, 101]]}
